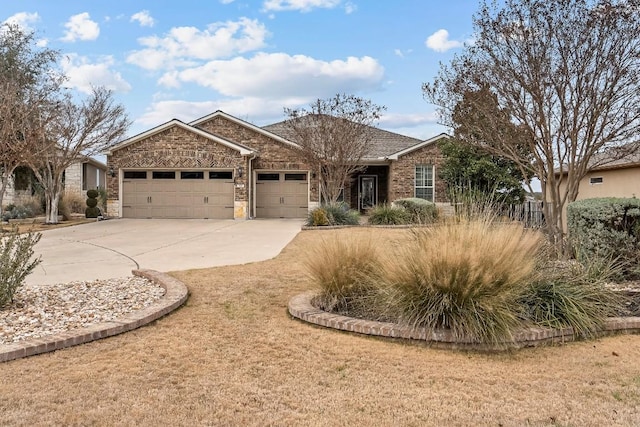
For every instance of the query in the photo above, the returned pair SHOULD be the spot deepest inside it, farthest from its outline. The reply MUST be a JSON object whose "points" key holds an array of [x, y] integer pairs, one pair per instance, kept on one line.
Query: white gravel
{"points": [[40, 310]]}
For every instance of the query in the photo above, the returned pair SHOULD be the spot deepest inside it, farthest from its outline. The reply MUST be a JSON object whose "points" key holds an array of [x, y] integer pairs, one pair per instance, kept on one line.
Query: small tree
{"points": [[334, 136], [565, 72], [70, 132], [25, 81]]}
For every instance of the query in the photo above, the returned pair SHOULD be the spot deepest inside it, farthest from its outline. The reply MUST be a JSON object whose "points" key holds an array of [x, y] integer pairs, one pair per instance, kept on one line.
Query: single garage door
{"points": [[177, 194], [282, 194]]}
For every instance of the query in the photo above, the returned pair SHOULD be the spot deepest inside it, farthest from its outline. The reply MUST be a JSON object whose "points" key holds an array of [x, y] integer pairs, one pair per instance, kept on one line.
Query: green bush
{"points": [[16, 251], [606, 229], [570, 295], [420, 211], [93, 194], [388, 215], [336, 214], [92, 211]]}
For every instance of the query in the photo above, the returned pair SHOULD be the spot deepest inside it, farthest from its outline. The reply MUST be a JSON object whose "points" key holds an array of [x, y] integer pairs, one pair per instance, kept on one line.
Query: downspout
{"points": [[250, 189]]}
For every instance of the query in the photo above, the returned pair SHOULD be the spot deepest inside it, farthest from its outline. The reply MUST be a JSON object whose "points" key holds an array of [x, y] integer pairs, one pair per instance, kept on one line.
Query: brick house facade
{"points": [[219, 166]]}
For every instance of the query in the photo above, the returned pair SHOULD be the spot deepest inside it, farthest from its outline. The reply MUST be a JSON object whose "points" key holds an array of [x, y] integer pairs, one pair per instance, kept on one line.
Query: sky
{"points": [[252, 58]]}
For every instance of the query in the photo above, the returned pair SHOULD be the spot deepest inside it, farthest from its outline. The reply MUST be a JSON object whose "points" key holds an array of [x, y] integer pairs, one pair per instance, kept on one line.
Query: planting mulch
{"points": [[233, 356]]}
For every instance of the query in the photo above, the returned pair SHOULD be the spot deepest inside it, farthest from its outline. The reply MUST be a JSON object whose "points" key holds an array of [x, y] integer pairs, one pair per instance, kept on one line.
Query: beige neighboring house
{"points": [[78, 178], [220, 166], [617, 178]]}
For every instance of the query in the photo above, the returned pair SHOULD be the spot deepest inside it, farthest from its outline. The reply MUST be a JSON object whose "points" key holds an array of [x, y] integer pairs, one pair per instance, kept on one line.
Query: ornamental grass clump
{"points": [[466, 276], [345, 270], [569, 294], [388, 215]]}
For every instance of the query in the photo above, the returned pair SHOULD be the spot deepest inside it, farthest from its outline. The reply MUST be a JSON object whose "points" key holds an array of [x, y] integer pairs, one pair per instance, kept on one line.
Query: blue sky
{"points": [[251, 58]]}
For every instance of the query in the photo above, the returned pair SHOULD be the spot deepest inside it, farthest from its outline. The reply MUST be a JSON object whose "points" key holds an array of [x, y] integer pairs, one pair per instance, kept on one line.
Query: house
{"points": [[78, 178], [219, 166]]}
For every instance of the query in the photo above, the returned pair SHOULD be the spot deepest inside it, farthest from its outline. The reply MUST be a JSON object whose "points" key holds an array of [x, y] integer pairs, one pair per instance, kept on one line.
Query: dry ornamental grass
{"points": [[233, 356]]}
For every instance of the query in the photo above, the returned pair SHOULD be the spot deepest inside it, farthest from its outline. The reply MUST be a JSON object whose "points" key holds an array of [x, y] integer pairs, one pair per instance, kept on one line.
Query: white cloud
{"points": [[258, 111], [182, 45], [143, 18], [82, 74], [226, 1], [81, 27], [350, 7], [23, 20], [279, 74], [301, 5], [439, 41]]}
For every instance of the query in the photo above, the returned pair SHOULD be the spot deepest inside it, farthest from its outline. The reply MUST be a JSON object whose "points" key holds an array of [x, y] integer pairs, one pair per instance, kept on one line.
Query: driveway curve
{"points": [[112, 248]]}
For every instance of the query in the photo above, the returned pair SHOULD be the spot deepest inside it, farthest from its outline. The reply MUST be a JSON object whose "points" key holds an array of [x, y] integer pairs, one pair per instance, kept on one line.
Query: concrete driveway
{"points": [[109, 249]]}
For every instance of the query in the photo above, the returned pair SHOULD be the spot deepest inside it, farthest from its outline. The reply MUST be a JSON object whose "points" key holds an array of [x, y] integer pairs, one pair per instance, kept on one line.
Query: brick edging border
{"points": [[176, 294], [300, 307]]}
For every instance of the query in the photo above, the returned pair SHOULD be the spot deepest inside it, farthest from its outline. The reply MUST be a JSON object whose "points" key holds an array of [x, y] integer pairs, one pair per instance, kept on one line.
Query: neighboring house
{"points": [[609, 178], [220, 166], [78, 178]]}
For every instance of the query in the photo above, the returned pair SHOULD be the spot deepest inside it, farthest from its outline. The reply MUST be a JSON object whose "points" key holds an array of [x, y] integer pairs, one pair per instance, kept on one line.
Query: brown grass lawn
{"points": [[233, 356]]}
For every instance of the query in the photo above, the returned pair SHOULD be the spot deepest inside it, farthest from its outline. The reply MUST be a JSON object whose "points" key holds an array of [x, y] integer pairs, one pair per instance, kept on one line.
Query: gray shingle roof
{"points": [[383, 144]]}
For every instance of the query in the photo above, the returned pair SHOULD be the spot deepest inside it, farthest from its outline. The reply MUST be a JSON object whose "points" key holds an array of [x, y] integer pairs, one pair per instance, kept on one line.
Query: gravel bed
{"points": [[41, 310]]}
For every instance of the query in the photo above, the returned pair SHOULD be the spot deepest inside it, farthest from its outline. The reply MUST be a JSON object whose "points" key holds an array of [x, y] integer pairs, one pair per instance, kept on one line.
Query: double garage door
{"points": [[282, 194], [178, 194]]}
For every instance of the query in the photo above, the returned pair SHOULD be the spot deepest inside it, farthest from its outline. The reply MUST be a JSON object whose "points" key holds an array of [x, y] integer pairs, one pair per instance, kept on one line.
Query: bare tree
{"points": [[567, 72], [334, 134], [68, 132], [25, 81]]}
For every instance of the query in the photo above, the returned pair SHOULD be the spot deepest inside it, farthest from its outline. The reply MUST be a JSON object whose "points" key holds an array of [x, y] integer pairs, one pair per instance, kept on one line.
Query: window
{"points": [[268, 177], [220, 175], [596, 180], [191, 175], [424, 182], [295, 176], [135, 174], [164, 175]]}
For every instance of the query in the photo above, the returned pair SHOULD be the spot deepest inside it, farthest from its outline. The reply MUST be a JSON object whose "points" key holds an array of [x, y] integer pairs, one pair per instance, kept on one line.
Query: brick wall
{"points": [[176, 148], [272, 154], [402, 173]]}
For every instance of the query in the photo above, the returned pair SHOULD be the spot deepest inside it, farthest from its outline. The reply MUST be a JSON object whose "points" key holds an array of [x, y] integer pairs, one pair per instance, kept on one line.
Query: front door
{"points": [[368, 191]]}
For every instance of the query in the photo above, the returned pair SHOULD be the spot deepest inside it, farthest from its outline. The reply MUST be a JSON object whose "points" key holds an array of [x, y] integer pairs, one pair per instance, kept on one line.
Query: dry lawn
{"points": [[233, 356]]}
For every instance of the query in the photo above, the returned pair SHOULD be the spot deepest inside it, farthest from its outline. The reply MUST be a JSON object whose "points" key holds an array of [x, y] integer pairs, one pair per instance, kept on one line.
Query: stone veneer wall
{"points": [[272, 155], [175, 148], [402, 173]]}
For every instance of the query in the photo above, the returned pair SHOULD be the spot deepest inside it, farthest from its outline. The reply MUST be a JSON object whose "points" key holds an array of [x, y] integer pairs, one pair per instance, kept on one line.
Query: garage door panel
{"points": [[286, 197], [178, 198]]}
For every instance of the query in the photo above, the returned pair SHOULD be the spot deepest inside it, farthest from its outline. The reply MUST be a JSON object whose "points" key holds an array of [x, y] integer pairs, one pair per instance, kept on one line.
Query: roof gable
{"points": [[383, 142], [177, 123], [245, 124], [418, 146]]}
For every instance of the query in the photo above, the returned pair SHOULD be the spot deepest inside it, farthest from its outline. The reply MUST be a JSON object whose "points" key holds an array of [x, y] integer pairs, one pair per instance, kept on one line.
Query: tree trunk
{"points": [[52, 194]]}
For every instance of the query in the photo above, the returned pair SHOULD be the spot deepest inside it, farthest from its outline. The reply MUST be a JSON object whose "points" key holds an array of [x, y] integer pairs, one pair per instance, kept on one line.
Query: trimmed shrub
{"points": [[16, 251], [388, 215], [467, 277], [317, 217], [570, 295], [336, 214], [344, 269], [420, 211], [606, 229], [92, 211]]}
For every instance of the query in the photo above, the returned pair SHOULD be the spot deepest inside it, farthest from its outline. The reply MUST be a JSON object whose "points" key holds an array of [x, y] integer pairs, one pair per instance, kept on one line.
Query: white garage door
{"points": [[177, 194], [282, 194]]}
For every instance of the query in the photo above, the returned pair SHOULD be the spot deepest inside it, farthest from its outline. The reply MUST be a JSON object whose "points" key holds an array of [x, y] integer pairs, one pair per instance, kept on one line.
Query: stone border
{"points": [[301, 307], [176, 294]]}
